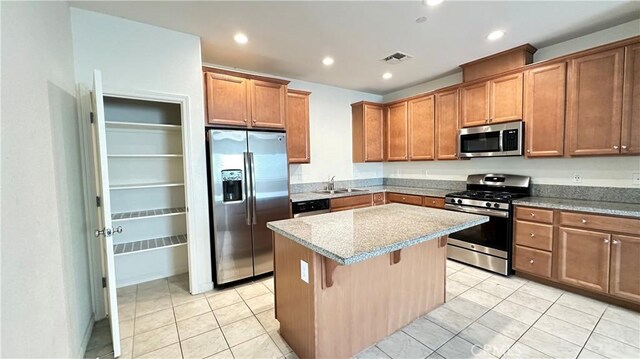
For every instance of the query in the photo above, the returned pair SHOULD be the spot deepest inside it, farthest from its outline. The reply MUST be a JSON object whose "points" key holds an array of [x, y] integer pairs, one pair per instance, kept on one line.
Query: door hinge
{"points": [[104, 282], [91, 116], [98, 202]]}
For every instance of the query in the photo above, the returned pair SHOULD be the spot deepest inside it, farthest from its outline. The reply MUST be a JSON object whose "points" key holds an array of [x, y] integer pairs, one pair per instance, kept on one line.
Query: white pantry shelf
{"points": [[143, 155], [141, 126], [145, 185], [149, 213], [149, 244]]}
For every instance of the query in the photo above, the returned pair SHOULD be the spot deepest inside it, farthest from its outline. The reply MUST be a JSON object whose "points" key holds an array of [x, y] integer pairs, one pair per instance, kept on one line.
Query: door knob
{"points": [[616, 242], [606, 240], [532, 235], [533, 214], [584, 221], [103, 232], [624, 147], [531, 261], [615, 147]]}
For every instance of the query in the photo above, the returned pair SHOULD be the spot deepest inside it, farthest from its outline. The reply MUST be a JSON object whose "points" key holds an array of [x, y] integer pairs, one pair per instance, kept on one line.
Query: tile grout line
{"points": [[593, 331]]}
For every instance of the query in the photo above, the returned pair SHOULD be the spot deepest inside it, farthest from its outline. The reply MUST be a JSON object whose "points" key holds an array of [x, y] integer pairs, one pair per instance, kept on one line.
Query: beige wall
{"points": [[46, 300]]}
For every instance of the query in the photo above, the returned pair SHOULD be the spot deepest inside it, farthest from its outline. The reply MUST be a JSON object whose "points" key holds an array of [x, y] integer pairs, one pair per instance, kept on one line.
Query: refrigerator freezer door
{"points": [[271, 192], [231, 204]]}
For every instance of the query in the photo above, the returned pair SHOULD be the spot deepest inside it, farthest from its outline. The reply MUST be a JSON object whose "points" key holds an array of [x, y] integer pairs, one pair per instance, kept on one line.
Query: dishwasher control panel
{"points": [[305, 207]]}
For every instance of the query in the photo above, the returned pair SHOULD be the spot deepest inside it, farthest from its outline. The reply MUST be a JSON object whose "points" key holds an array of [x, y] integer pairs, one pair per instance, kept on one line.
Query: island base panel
{"points": [[365, 302]]}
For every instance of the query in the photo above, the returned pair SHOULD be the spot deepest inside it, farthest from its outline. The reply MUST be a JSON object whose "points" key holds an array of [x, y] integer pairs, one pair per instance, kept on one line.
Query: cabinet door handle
{"points": [[533, 214], [616, 242], [245, 120], [532, 235], [615, 147], [434, 202], [606, 240], [528, 151], [624, 147], [531, 261], [584, 221]]}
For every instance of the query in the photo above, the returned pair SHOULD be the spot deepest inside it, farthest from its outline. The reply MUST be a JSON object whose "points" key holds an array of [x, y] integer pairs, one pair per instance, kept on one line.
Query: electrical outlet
{"points": [[635, 178], [304, 271], [577, 178]]}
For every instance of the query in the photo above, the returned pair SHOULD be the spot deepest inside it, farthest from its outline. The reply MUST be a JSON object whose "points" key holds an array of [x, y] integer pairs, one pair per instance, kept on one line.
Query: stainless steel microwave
{"points": [[504, 139]]}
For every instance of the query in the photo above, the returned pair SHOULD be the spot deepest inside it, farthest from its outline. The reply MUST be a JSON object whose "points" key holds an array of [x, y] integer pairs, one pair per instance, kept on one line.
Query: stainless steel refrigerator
{"points": [[249, 179]]}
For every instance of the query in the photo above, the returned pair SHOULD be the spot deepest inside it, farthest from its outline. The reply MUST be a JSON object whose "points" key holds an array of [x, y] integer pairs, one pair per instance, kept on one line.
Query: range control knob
{"points": [[496, 205], [459, 201], [488, 204]]}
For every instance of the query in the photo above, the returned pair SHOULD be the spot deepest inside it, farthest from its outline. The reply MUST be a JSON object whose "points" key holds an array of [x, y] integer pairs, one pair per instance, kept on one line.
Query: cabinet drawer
{"points": [[434, 202], [343, 203], [533, 261], [404, 198], [378, 198], [534, 214], [602, 223], [534, 235]]}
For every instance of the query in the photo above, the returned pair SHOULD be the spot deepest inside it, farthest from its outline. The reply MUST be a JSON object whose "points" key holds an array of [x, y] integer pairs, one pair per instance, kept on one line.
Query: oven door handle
{"points": [[485, 211]]}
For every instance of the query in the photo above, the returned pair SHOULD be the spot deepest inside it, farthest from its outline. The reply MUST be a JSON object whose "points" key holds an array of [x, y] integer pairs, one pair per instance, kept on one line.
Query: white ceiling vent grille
{"points": [[396, 58]]}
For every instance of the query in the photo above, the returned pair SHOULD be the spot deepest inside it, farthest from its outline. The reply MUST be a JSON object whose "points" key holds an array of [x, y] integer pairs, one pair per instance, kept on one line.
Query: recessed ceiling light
{"points": [[421, 19], [328, 61], [495, 35], [433, 2], [387, 75], [241, 38]]}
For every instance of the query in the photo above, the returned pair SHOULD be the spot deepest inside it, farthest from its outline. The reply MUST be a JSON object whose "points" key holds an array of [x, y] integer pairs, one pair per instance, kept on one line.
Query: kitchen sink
{"points": [[340, 190]]}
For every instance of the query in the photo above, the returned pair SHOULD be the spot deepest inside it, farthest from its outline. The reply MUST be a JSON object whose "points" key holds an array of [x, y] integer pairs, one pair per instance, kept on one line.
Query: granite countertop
{"points": [[598, 207], [349, 237], [432, 192]]}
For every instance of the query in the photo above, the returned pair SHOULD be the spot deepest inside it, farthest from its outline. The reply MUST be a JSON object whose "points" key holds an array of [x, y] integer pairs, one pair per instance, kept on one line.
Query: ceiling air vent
{"points": [[396, 58]]}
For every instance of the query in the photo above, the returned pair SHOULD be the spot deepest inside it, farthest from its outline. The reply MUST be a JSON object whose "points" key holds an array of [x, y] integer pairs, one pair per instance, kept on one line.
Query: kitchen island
{"points": [[345, 280]]}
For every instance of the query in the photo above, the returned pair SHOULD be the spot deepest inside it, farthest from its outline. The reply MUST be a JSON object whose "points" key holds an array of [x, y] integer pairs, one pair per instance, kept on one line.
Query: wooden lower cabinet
{"points": [[352, 202], [625, 267], [533, 261], [434, 202], [583, 258], [379, 198], [404, 198]]}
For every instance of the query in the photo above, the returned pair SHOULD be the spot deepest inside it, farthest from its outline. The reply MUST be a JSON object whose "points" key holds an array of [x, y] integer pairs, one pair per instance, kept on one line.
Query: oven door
{"points": [[490, 237]]}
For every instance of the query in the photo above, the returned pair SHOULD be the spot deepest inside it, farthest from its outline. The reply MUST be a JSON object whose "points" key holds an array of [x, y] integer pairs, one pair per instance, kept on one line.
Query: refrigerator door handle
{"points": [[253, 189], [247, 190]]}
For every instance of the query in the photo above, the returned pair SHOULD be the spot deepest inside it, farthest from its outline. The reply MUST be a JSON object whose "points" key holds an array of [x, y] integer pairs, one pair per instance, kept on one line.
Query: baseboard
{"points": [[85, 338], [202, 288]]}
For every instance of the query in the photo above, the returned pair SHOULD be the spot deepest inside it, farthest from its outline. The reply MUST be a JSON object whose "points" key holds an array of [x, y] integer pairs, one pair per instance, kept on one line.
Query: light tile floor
{"points": [[485, 316]]}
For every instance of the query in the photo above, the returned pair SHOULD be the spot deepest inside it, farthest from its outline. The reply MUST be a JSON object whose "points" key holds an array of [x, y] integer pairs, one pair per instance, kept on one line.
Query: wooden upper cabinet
{"points": [[298, 126], [397, 132], [268, 104], [583, 258], [367, 121], [544, 110], [505, 98], [630, 138], [495, 100], [625, 267], [227, 100], [421, 113], [238, 99], [446, 131], [475, 104], [594, 114]]}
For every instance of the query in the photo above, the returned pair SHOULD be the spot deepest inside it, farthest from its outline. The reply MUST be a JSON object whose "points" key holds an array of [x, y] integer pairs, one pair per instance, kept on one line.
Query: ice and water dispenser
{"points": [[231, 185]]}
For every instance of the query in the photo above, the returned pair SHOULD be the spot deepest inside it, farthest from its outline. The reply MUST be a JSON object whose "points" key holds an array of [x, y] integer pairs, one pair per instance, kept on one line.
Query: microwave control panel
{"points": [[510, 140]]}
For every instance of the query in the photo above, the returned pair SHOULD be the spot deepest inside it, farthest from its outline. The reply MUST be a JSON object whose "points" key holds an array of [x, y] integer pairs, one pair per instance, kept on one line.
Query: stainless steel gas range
{"points": [[488, 245]]}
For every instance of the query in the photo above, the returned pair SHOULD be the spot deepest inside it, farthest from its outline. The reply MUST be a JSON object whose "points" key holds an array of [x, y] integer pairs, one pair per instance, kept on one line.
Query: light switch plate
{"points": [[304, 271]]}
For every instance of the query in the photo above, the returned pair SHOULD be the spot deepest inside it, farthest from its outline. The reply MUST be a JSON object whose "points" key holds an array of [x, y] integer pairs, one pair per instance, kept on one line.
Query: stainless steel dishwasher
{"points": [[310, 208]]}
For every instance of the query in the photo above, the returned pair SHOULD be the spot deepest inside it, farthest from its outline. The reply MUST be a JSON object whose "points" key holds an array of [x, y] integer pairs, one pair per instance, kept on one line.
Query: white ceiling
{"points": [[290, 39]]}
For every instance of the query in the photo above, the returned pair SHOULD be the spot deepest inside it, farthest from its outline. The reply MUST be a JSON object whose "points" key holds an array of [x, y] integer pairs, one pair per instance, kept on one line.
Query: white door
{"points": [[106, 231]]}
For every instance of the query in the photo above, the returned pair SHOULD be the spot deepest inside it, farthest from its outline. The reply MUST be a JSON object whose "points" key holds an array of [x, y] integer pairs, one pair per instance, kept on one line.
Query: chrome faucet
{"points": [[330, 185]]}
